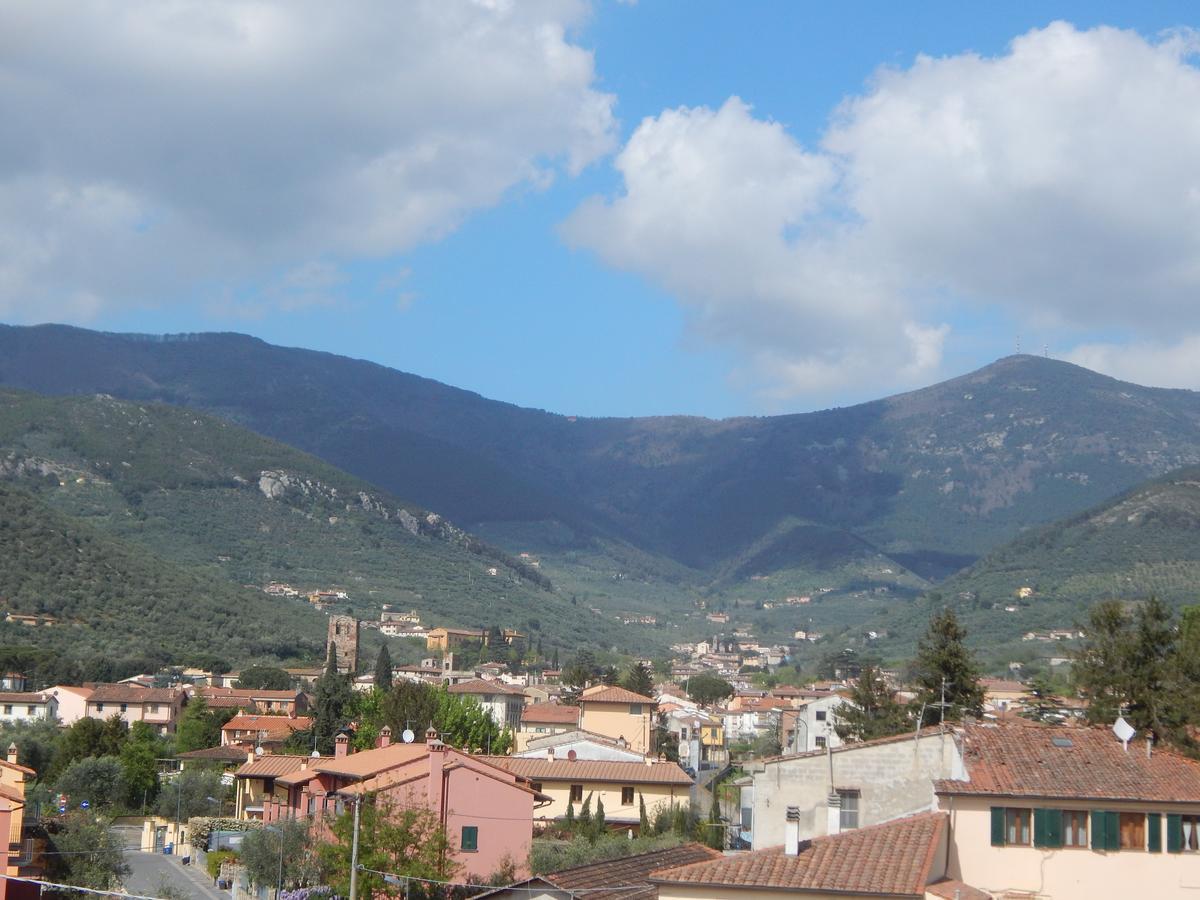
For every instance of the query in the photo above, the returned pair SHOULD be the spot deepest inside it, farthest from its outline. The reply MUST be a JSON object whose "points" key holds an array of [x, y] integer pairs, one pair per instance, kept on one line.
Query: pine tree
{"points": [[609, 675], [943, 660], [872, 711], [383, 669], [639, 679]]}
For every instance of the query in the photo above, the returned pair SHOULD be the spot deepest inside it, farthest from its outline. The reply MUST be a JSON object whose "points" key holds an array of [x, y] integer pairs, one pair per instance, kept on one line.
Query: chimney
{"points": [[550, 754], [791, 832], [433, 739], [385, 737], [251, 756], [833, 814], [12, 753], [437, 769], [341, 746]]}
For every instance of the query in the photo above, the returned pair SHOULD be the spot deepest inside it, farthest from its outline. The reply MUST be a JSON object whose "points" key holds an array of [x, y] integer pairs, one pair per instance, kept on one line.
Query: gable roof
{"points": [[550, 713], [272, 765], [1024, 759], [25, 697], [480, 686], [894, 858], [929, 731], [272, 727], [223, 753], [542, 769], [132, 693], [627, 878], [604, 694]]}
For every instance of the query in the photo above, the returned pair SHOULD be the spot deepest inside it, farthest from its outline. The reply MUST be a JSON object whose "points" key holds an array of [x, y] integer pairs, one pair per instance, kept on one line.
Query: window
{"points": [[1190, 834], [635, 709], [32, 710], [124, 707], [154, 708], [470, 838], [1133, 831], [820, 739], [849, 816], [577, 793], [627, 795], [99, 707], [8, 710], [820, 715], [1016, 827], [1074, 828]]}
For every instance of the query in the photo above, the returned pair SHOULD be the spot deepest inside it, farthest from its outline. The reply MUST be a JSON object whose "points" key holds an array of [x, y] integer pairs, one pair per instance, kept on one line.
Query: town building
{"points": [[72, 702], [343, 640], [622, 786], [28, 707], [1044, 811], [267, 732], [541, 719], [618, 713], [158, 707], [279, 703], [580, 745], [501, 701], [852, 786]]}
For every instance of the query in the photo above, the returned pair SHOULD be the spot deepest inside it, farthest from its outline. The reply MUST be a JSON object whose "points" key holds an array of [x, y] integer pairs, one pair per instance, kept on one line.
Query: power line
{"points": [[82, 890]]}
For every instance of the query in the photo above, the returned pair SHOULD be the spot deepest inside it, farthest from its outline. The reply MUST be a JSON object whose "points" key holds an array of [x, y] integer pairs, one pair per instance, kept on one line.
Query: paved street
{"points": [[150, 870]]}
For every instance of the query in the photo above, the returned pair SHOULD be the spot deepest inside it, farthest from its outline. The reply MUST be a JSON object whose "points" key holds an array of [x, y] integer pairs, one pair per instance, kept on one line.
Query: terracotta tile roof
{"points": [[542, 769], [627, 877], [1029, 760], [272, 765], [231, 754], [9, 793], [550, 714], [210, 692], [480, 686], [11, 765], [273, 728], [24, 697], [606, 694], [951, 889], [371, 762], [894, 858], [132, 693], [1001, 684], [71, 688]]}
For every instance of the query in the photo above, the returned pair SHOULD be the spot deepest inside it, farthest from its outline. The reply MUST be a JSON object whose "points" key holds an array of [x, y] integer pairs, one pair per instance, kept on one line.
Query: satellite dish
{"points": [[685, 750], [407, 736], [572, 755], [1123, 730], [258, 751], [316, 754]]}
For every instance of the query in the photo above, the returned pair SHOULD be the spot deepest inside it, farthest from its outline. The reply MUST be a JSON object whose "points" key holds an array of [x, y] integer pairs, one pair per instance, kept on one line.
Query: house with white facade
{"points": [[27, 707]]}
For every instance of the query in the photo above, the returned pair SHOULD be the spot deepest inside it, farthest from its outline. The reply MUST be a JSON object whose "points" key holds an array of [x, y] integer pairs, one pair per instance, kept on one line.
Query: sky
{"points": [[615, 208]]}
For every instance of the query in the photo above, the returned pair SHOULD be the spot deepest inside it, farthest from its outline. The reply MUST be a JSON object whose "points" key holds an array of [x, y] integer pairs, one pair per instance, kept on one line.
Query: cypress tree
{"points": [[643, 819], [383, 669]]}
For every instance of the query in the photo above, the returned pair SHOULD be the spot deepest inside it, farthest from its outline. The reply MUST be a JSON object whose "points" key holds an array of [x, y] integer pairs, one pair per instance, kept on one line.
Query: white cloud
{"points": [[162, 149], [1058, 183], [1168, 363]]}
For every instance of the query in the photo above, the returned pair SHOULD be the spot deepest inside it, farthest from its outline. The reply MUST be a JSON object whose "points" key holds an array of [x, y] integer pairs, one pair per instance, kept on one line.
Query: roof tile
{"points": [[542, 769]]}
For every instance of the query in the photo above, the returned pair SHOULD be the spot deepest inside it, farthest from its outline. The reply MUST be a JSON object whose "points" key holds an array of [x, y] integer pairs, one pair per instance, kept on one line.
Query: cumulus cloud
{"points": [[1058, 183], [155, 150]]}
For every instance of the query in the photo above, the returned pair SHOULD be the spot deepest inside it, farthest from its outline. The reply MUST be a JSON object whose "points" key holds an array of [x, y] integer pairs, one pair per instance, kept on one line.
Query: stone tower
{"points": [[343, 636]]}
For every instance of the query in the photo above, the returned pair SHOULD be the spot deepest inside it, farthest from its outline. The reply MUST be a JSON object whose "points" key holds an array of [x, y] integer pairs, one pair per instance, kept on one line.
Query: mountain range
{"points": [[669, 513]]}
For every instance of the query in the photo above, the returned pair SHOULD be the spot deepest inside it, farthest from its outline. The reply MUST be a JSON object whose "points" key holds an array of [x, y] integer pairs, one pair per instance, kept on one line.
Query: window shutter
{"points": [[1112, 830], [998, 826], [1154, 832], [1039, 827], [1099, 841], [1174, 833], [1053, 834]]}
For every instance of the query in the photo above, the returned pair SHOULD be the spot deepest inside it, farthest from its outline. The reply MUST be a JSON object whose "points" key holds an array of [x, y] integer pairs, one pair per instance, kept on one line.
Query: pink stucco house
{"points": [[486, 812]]}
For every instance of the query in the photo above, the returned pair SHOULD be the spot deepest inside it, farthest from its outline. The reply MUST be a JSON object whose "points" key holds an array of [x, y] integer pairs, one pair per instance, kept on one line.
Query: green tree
{"points": [[193, 792], [1100, 667], [943, 661], [643, 819], [707, 688], [872, 711], [598, 824], [713, 828], [333, 699], [404, 841], [609, 675], [37, 743], [85, 852], [366, 710], [139, 764], [282, 850], [383, 669], [639, 679], [81, 740], [200, 725], [581, 670], [264, 678], [97, 780], [465, 724]]}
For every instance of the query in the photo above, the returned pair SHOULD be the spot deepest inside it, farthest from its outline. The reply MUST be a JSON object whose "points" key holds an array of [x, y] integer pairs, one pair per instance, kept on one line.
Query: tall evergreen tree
{"points": [[639, 679], [872, 711], [333, 697], [383, 669], [944, 663]]}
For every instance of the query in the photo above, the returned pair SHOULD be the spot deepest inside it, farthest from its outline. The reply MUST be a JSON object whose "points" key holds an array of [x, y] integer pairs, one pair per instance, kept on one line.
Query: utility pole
{"points": [[354, 850]]}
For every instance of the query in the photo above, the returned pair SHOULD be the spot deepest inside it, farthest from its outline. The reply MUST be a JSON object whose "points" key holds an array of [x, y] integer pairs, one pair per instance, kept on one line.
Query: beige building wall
{"points": [[656, 795], [616, 720], [729, 892], [1066, 872], [72, 703]]}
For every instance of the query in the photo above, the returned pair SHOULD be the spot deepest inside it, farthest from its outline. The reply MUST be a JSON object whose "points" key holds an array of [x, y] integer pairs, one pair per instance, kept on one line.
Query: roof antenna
{"points": [[1018, 343]]}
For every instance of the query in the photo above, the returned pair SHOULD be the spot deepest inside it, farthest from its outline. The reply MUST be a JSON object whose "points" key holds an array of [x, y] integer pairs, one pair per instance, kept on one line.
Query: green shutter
{"points": [[1053, 830], [1154, 832], [1097, 829], [1112, 830], [997, 826], [1174, 833], [1039, 827]]}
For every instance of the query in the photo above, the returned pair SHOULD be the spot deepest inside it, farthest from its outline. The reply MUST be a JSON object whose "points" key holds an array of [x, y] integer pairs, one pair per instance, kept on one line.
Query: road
{"points": [[150, 870]]}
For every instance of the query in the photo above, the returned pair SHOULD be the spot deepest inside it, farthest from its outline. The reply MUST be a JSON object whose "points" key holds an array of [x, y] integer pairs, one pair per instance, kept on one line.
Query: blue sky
{"points": [[611, 263]]}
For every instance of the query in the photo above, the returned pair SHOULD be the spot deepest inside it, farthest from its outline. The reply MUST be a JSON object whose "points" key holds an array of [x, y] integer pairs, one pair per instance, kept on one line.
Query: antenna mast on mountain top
{"points": [[1018, 344]]}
